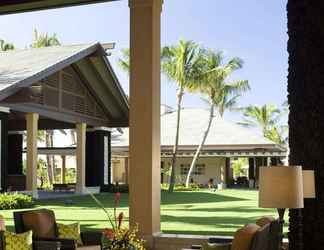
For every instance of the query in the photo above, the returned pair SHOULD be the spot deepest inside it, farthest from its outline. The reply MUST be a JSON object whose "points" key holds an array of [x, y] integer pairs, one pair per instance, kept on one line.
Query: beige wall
{"points": [[118, 170], [212, 169]]}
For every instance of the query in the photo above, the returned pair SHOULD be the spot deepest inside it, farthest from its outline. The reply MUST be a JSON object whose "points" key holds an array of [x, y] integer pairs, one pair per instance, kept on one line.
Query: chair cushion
{"points": [[41, 223], [89, 248], [244, 236], [71, 231], [264, 220], [261, 238], [22, 241]]}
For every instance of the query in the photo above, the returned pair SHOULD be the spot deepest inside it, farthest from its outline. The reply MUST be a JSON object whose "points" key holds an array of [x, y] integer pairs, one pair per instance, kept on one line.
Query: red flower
{"points": [[109, 233], [117, 199], [120, 219]]}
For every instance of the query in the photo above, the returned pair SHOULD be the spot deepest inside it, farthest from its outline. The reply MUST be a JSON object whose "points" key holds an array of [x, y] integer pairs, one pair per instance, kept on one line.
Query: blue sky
{"points": [[253, 30]]}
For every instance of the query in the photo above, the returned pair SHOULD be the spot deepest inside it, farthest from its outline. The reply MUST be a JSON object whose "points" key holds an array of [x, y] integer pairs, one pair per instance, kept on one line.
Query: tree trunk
{"points": [[49, 158], [175, 147], [306, 123], [196, 156]]}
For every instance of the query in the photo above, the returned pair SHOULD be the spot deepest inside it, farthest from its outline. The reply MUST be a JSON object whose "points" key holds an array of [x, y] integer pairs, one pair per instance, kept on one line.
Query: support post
{"points": [[145, 46], [63, 169], [31, 171], [80, 157]]}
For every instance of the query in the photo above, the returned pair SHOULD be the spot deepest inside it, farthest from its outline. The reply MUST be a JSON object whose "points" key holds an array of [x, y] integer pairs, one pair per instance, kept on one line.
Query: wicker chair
{"points": [[88, 238]]}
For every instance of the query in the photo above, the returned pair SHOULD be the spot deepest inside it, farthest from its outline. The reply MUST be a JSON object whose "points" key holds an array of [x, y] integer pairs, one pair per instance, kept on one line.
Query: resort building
{"points": [[226, 141], [59, 87]]}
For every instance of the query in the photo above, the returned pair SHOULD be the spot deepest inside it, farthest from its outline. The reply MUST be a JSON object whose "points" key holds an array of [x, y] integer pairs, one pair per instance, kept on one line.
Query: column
{"points": [[63, 169], [31, 171], [80, 157], [98, 159], [15, 153], [4, 115], [145, 74]]}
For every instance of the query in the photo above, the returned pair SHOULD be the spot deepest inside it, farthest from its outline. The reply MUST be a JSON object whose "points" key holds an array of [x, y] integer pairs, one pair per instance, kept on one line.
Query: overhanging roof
{"points": [[17, 6], [225, 137], [20, 69]]}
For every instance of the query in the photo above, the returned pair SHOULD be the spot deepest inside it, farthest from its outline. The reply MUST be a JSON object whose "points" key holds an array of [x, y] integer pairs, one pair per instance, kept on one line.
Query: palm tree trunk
{"points": [[49, 158], [196, 156], [175, 147]]}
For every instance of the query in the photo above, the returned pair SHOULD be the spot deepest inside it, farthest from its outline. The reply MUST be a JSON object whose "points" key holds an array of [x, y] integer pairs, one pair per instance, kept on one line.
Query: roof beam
{"points": [[18, 6]]}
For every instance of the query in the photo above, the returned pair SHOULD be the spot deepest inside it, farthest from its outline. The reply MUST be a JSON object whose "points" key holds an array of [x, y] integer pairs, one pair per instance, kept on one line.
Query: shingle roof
{"points": [[19, 68], [22, 68], [193, 124]]}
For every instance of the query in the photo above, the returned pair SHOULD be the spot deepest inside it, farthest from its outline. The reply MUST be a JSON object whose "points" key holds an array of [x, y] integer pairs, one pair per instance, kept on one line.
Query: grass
{"points": [[202, 212]]}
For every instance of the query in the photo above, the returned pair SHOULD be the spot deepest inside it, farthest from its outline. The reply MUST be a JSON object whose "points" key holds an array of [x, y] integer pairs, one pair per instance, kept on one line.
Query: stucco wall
{"points": [[213, 167]]}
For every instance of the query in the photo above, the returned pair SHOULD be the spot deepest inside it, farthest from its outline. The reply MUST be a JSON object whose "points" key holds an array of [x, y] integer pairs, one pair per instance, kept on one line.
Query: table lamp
{"points": [[309, 184], [281, 187]]}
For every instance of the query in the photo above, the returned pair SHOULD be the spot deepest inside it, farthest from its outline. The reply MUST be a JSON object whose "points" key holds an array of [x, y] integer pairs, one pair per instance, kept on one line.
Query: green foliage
{"points": [[181, 187], [123, 62], [238, 166], [44, 40], [4, 46], [267, 118], [15, 201]]}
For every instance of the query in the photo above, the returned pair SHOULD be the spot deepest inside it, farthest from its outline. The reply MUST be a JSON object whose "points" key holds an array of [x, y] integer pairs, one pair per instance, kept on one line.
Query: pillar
{"points": [[80, 157], [145, 46], [4, 114], [15, 153], [98, 158], [63, 169], [31, 170], [306, 105]]}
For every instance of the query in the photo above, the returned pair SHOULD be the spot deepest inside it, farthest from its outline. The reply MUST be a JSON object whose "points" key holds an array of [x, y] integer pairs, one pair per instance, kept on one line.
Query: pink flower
{"points": [[117, 199], [109, 233]]}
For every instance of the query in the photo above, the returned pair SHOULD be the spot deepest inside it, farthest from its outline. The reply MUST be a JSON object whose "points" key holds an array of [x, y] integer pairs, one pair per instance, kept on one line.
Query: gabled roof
{"points": [[22, 68], [16, 6], [223, 135]]}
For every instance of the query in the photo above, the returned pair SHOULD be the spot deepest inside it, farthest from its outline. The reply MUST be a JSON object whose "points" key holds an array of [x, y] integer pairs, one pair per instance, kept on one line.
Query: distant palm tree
{"points": [[123, 62], [4, 46], [44, 40], [181, 64], [221, 95], [264, 117]]}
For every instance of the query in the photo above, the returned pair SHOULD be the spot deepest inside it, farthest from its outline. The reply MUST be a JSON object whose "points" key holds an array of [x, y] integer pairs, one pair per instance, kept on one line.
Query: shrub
{"points": [[15, 201]]}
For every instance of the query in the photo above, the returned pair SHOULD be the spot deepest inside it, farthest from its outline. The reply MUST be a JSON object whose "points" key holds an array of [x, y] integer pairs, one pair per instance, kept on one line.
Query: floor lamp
{"points": [[281, 187]]}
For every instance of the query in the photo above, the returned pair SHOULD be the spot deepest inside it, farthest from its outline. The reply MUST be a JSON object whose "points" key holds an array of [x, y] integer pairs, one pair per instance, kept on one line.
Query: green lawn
{"points": [[204, 212]]}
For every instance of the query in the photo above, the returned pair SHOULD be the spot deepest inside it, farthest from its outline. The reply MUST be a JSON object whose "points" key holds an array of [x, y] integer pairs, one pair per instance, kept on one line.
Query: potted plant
{"points": [[117, 236]]}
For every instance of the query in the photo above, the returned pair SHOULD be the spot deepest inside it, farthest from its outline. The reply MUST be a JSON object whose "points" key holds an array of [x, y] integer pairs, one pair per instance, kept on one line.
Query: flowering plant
{"points": [[119, 237]]}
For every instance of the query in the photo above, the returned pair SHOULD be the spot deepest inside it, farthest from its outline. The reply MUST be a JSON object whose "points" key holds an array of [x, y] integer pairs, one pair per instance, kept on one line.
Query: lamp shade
{"points": [[281, 187], [309, 184]]}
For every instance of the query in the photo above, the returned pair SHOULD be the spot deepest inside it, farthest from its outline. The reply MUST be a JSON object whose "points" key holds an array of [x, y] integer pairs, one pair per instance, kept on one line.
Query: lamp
{"points": [[309, 184], [281, 187]]}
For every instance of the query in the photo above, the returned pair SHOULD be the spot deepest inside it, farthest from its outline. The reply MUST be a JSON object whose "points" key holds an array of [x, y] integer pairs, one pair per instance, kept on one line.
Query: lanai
{"points": [[59, 87]]}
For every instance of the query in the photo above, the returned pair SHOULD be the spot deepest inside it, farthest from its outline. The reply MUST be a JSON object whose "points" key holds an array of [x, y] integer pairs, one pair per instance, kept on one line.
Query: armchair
{"points": [[43, 224]]}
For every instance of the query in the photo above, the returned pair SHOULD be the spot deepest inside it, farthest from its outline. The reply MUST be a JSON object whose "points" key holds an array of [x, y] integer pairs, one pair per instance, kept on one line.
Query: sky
{"points": [[254, 30]]}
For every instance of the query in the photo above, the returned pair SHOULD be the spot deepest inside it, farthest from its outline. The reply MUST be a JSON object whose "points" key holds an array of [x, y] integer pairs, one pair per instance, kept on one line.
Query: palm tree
{"points": [[4, 46], [221, 95], [181, 64], [265, 117], [44, 40], [123, 62]]}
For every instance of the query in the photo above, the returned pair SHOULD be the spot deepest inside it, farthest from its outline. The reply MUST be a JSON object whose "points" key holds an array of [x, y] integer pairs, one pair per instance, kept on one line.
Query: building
{"points": [[225, 142], [58, 87]]}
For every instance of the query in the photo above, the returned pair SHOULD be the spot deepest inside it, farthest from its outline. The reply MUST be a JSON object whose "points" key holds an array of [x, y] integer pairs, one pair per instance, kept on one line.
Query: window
{"points": [[198, 170]]}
